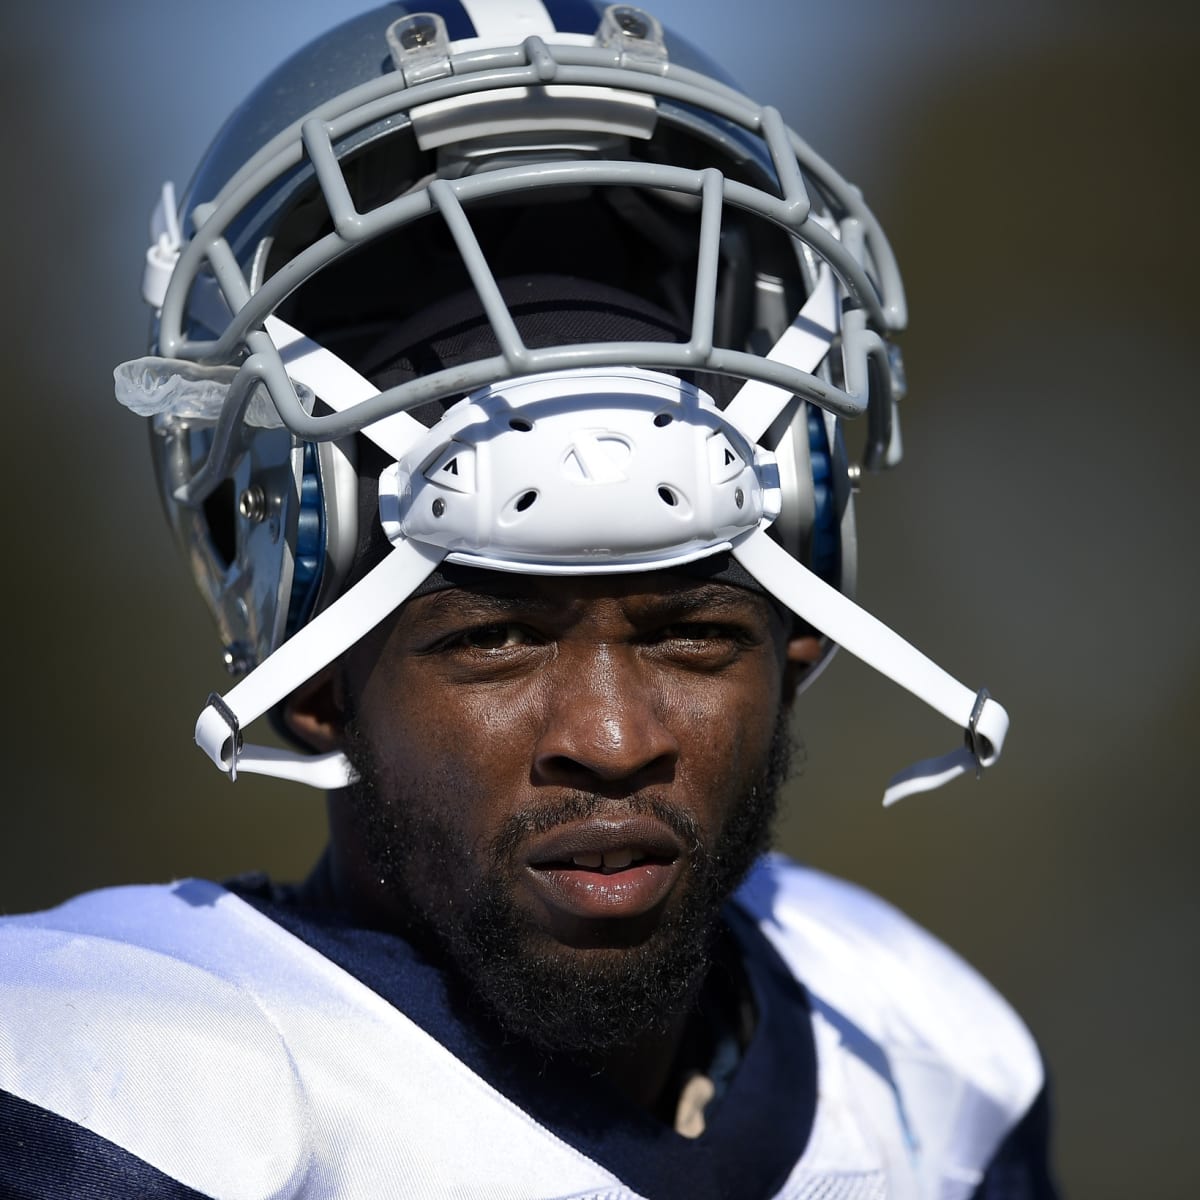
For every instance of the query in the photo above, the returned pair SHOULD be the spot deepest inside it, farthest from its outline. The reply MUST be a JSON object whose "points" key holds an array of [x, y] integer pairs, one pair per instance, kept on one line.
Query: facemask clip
{"points": [[227, 715], [981, 749]]}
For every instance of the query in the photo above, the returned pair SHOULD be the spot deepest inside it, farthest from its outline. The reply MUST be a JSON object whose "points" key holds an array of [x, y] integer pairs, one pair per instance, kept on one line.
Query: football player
{"points": [[501, 357]]}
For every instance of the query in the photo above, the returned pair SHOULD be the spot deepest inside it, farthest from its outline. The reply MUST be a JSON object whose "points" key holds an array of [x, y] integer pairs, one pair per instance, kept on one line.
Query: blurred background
{"points": [[1033, 164]]}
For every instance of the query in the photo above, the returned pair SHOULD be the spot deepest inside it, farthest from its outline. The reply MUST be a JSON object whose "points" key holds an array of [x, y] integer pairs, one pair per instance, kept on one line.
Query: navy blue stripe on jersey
{"points": [[46, 1157], [754, 1134]]}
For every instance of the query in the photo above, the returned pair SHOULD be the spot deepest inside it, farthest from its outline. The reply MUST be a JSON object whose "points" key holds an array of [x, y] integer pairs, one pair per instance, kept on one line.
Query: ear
{"points": [[802, 654], [315, 713]]}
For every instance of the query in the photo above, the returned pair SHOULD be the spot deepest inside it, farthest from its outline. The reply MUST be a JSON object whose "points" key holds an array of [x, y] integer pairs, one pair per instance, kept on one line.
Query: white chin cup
{"points": [[581, 472]]}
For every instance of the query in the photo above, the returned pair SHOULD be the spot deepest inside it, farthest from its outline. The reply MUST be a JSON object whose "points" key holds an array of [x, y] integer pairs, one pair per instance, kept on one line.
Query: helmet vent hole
{"points": [[663, 419], [524, 500], [667, 496], [521, 426]]}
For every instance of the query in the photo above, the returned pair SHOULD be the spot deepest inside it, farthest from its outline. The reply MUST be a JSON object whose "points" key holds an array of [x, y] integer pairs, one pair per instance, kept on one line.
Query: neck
{"points": [[646, 1073]]}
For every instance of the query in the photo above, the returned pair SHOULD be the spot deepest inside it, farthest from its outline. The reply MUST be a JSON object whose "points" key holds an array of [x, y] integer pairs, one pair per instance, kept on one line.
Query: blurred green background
{"points": [[1035, 169]]}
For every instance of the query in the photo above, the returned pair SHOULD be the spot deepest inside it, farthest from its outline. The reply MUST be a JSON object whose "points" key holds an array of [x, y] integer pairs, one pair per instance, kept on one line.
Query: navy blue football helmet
{"points": [[520, 284]]}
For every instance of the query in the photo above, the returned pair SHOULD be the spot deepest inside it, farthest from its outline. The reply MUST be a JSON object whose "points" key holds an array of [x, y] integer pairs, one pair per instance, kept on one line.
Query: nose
{"points": [[604, 725]]}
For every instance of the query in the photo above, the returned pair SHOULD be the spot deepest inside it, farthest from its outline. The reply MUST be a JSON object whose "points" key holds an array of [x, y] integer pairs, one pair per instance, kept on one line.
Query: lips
{"points": [[604, 868]]}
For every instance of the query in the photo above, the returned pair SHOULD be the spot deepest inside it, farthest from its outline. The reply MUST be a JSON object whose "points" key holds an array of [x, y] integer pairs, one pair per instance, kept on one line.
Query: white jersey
{"points": [[190, 1031]]}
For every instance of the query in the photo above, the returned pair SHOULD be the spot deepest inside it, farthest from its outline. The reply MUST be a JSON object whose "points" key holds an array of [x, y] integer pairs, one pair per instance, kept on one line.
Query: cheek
{"points": [[725, 736], [460, 754]]}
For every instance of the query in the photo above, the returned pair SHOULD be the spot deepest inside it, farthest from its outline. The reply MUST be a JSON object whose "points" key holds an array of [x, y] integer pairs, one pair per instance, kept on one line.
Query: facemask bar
{"points": [[531, 65]]}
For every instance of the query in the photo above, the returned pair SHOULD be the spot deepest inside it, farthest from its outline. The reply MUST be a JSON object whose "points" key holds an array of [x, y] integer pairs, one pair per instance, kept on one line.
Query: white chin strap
{"points": [[329, 635], [727, 503], [983, 721]]}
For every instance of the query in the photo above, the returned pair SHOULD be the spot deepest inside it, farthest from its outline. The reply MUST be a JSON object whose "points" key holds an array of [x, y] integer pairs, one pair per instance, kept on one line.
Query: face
{"points": [[562, 780]]}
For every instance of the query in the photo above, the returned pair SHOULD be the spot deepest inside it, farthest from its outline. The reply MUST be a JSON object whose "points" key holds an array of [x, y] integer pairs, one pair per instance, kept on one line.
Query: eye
{"points": [[700, 645], [697, 631], [490, 651], [494, 637]]}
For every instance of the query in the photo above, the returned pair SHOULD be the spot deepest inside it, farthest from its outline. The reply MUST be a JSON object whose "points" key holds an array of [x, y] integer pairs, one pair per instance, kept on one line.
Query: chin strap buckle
{"points": [[235, 731], [982, 751]]}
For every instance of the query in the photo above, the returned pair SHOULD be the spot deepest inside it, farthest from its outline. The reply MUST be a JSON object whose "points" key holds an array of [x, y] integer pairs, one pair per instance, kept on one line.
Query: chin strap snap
{"points": [[328, 635], [983, 721]]}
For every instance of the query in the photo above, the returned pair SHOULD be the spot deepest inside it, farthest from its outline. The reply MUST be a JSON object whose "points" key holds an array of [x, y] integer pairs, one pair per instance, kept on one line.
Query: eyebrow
{"points": [[476, 602], [709, 596], [501, 601]]}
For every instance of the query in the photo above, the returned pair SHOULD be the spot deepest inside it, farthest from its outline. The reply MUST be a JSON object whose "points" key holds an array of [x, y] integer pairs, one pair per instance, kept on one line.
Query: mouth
{"points": [[605, 869]]}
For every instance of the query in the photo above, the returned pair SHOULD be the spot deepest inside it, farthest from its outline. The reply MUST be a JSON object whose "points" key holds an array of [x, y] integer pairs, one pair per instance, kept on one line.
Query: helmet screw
{"points": [[418, 31], [631, 22], [252, 504], [739, 497], [439, 507], [237, 658]]}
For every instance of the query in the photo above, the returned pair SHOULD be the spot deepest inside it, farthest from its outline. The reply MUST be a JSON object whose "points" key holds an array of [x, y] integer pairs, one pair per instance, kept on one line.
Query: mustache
{"points": [[579, 806]]}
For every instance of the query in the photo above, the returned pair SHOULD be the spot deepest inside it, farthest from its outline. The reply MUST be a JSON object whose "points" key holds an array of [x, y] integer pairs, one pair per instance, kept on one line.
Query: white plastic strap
{"points": [[325, 771], [803, 345], [341, 386], [324, 638], [866, 637], [344, 622]]}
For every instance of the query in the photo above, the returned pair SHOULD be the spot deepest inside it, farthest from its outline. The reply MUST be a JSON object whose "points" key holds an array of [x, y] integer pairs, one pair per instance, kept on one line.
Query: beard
{"points": [[579, 1003]]}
